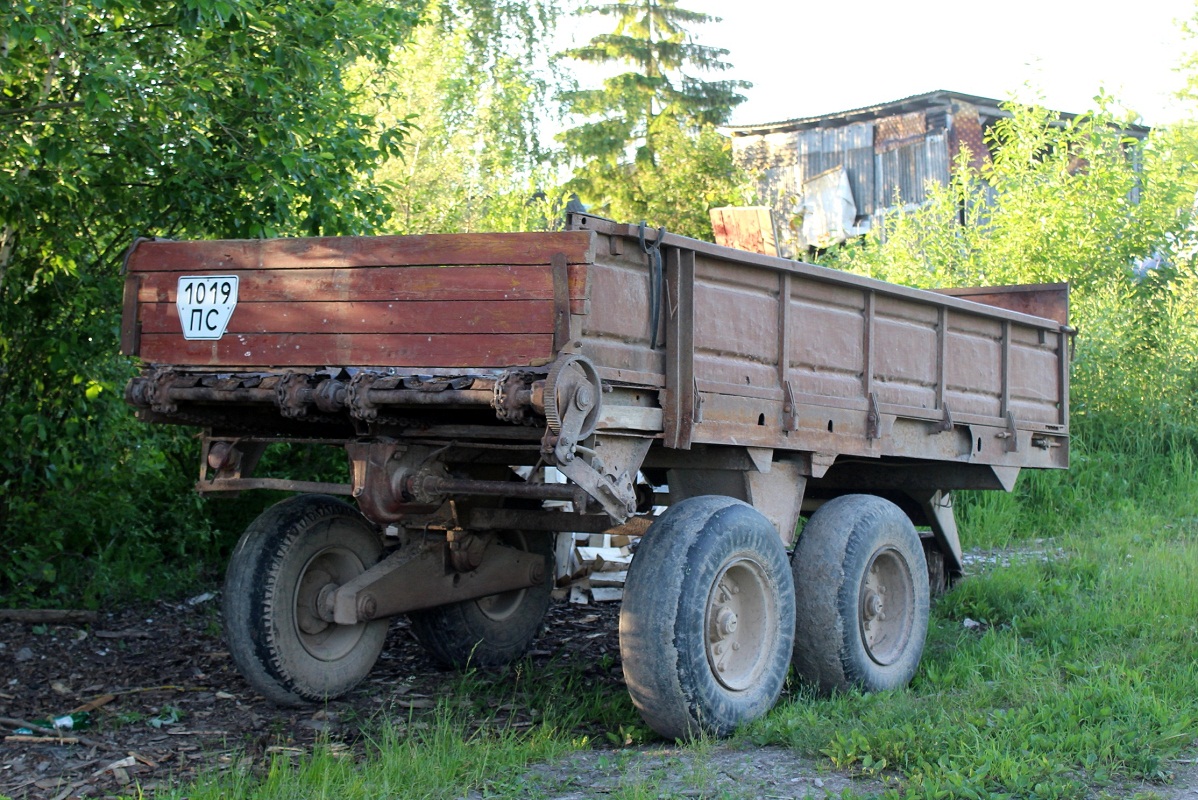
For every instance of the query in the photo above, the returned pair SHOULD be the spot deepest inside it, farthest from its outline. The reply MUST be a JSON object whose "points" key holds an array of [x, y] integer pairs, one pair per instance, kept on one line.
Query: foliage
{"points": [[141, 117], [476, 105], [651, 127], [696, 173], [1075, 201]]}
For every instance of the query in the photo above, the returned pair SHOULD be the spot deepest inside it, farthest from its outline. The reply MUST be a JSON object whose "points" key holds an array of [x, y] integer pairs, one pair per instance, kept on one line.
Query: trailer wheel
{"points": [[707, 623], [490, 631], [861, 589], [283, 561]]}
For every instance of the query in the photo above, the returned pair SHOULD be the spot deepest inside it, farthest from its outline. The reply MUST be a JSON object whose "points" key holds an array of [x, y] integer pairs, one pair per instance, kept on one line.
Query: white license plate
{"points": [[205, 304]]}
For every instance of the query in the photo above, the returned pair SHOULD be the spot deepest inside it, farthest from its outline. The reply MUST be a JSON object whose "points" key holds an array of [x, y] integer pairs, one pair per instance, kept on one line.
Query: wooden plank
{"points": [[1048, 300], [748, 228], [561, 301], [381, 283], [363, 350], [465, 283], [362, 251], [435, 317], [130, 324]]}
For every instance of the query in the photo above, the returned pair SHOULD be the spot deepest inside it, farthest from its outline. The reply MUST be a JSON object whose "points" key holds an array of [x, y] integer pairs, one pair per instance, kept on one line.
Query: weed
{"points": [[1081, 677]]}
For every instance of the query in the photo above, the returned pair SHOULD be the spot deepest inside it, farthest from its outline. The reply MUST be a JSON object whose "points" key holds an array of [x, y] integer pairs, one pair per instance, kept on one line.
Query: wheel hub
{"points": [[320, 577], [314, 591], [499, 607], [887, 606], [740, 615], [873, 606]]}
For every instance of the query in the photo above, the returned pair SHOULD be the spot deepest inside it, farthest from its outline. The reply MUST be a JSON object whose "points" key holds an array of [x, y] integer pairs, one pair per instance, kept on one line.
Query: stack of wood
{"points": [[593, 567]]}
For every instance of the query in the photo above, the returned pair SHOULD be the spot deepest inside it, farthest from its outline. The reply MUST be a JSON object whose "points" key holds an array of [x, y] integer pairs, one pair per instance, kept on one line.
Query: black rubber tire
{"points": [[683, 677], [838, 603], [264, 600], [491, 631]]}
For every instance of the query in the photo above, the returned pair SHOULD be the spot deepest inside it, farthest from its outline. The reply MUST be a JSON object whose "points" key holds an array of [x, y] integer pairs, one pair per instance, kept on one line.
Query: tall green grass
{"points": [[481, 737], [444, 759], [1114, 468], [1083, 669], [1078, 678]]}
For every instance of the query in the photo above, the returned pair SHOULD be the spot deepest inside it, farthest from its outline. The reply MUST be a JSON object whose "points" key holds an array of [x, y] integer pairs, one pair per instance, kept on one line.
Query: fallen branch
{"points": [[127, 634], [18, 737], [74, 738], [41, 616], [92, 705]]}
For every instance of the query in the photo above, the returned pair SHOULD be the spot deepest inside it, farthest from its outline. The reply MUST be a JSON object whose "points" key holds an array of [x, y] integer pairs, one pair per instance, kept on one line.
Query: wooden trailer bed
{"points": [[631, 360]]}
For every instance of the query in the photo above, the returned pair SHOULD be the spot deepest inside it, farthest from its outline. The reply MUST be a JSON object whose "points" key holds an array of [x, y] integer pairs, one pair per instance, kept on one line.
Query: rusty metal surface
{"points": [[416, 577], [678, 399], [904, 172], [826, 371], [899, 129], [1050, 301], [966, 133], [832, 369]]}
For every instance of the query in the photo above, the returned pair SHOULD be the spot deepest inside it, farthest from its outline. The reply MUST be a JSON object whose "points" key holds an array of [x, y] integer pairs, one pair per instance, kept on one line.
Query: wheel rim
{"points": [[739, 625], [499, 607], [886, 606], [325, 571]]}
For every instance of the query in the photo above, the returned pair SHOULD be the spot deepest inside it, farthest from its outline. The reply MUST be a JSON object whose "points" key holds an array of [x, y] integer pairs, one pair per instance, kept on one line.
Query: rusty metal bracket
{"points": [[1045, 442], [616, 494], [946, 422], [873, 418], [1010, 436], [358, 398], [561, 300], [293, 395], [790, 408]]}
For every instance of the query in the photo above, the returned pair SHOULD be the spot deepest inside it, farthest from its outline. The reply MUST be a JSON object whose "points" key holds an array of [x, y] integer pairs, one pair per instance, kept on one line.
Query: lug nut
{"points": [[367, 607]]}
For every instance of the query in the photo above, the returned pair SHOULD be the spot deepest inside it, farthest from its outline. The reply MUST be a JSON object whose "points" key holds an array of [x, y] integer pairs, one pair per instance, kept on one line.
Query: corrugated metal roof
{"points": [[988, 107]]}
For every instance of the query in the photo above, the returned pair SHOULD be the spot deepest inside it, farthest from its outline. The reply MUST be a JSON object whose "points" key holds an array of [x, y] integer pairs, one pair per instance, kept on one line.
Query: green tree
{"points": [[1075, 201], [476, 103], [639, 113], [121, 118]]}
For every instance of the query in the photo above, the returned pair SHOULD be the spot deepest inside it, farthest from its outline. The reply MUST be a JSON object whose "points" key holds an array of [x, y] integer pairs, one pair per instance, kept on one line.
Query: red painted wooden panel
{"points": [[513, 316], [469, 283], [238, 351], [362, 251], [379, 283]]}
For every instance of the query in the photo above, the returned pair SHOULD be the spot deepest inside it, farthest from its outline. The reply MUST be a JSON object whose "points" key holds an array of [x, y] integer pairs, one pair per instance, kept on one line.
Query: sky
{"points": [[811, 58]]}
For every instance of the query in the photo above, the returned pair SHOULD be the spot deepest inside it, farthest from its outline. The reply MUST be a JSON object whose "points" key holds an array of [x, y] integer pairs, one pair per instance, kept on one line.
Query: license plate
{"points": [[205, 304]]}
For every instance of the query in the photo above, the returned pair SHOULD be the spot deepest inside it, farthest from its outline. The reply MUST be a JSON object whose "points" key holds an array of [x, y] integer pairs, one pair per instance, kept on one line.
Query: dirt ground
{"points": [[180, 706]]}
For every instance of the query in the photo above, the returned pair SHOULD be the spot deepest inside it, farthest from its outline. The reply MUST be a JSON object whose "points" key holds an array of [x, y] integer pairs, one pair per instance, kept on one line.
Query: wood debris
{"points": [[596, 567], [43, 616]]}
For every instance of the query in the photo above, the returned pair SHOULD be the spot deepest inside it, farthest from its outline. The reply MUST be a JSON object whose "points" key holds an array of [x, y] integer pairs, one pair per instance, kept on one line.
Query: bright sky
{"points": [[811, 58]]}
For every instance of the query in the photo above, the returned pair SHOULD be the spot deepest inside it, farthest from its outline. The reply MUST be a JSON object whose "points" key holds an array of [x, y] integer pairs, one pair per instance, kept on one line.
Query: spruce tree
{"points": [[661, 91]]}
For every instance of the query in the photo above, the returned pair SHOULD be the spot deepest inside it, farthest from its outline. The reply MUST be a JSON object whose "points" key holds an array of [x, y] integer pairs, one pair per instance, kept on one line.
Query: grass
{"points": [[1079, 679], [1080, 676], [470, 742]]}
